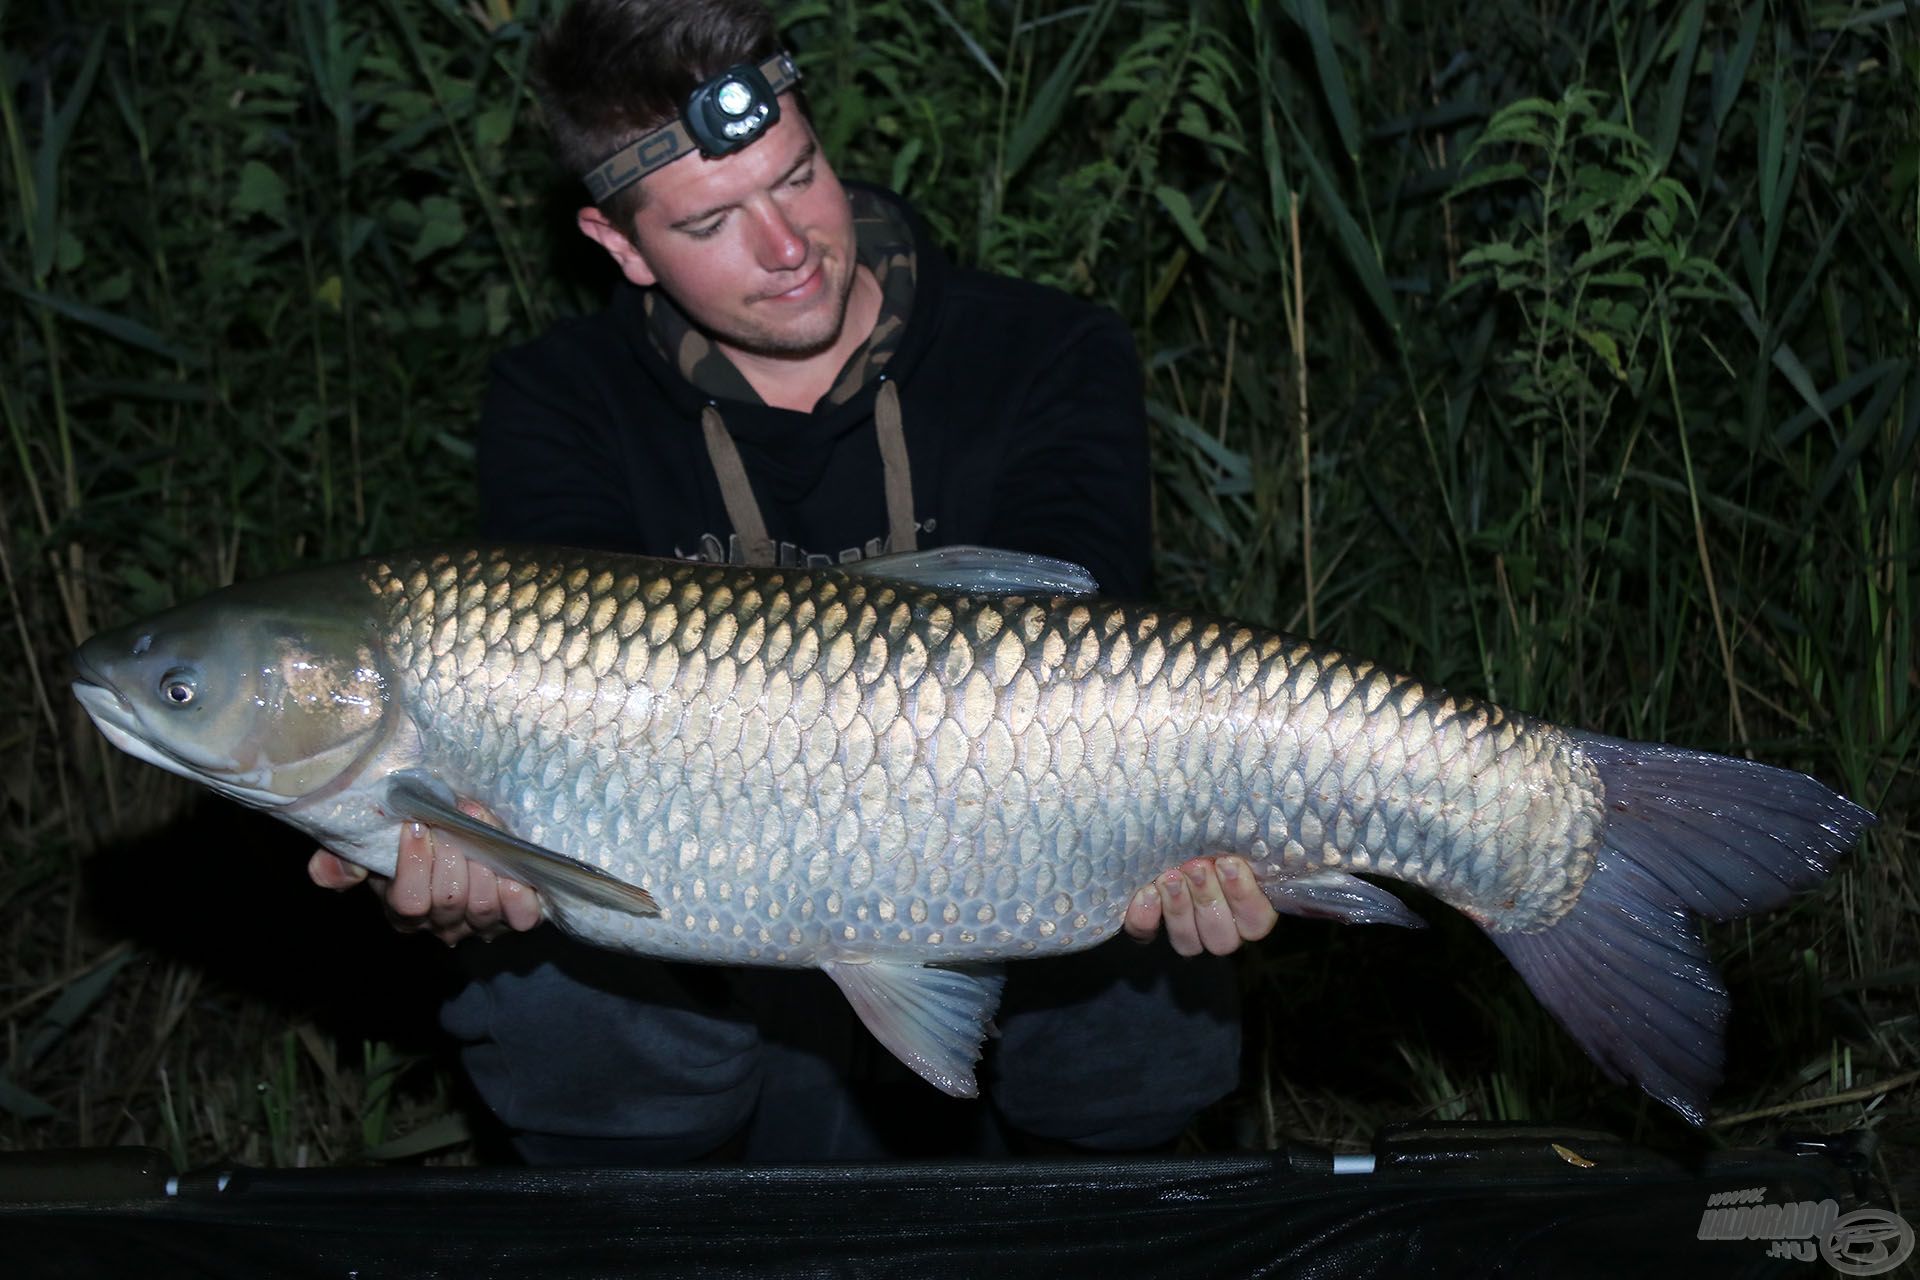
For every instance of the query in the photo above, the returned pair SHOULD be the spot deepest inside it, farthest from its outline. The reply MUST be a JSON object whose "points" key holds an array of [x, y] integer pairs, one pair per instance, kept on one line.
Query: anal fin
{"points": [[931, 1019], [1335, 895]]}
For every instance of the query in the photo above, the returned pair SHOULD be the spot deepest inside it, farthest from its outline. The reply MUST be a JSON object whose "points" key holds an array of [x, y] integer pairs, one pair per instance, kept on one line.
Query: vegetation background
{"points": [[1564, 352]]}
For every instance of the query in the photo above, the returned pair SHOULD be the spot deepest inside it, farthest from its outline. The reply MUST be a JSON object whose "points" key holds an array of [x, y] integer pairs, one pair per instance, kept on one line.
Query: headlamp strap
{"points": [[676, 138]]}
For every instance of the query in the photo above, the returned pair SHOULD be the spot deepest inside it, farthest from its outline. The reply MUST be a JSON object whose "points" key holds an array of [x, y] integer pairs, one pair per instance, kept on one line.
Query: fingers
{"points": [[1253, 915], [1142, 920], [1212, 917], [447, 889], [330, 871], [1176, 911], [519, 905], [436, 888], [494, 903], [410, 895], [483, 900], [1205, 905]]}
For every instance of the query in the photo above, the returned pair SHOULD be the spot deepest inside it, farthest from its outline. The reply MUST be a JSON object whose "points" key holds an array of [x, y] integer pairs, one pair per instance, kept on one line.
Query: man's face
{"points": [[755, 247]]}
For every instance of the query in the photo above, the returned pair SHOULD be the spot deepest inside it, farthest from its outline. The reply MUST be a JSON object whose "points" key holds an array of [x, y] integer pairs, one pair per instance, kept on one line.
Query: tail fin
{"points": [[1687, 833]]}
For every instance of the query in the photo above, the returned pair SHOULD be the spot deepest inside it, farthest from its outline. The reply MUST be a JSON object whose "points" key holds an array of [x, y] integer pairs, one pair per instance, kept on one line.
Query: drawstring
{"points": [[737, 492], [893, 458], [734, 489]]}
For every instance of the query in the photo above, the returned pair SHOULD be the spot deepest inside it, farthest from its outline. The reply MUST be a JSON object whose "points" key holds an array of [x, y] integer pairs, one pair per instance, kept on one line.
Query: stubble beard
{"points": [[763, 340]]}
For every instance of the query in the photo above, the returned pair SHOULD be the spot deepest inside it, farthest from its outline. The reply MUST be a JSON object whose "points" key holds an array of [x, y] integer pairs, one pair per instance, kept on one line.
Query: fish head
{"points": [[267, 696]]}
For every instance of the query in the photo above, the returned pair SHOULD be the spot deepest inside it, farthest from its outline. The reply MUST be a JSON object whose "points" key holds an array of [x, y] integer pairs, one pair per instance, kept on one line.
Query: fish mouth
{"points": [[104, 703], [89, 675], [113, 714]]}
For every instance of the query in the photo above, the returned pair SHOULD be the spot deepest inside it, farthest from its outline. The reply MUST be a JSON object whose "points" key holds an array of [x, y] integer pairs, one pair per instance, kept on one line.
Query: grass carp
{"points": [[907, 771]]}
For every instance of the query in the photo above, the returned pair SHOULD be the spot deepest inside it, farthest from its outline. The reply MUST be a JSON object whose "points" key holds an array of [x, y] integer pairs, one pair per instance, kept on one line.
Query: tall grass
{"points": [[1566, 355]]}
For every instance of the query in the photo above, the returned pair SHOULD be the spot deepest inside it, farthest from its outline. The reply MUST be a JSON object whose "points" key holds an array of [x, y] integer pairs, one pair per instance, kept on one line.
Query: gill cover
{"points": [[266, 692]]}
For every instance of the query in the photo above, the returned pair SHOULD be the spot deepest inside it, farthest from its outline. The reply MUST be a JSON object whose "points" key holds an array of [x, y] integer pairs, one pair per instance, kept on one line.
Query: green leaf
{"points": [[444, 227], [1312, 16], [1234, 466], [1860, 438], [43, 235], [261, 191], [1512, 171], [1732, 78], [1597, 255], [1838, 395], [1606, 348], [117, 287], [1500, 252], [1518, 123], [1208, 88], [145, 593], [903, 160], [1194, 123], [1666, 133], [1791, 367], [449, 1130], [1360, 253], [967, 41], [1615, 132], [71, 253], [71, 1005], [1044, 111], [1176, 203], [131, 332], [500, 308], [492, 127]]}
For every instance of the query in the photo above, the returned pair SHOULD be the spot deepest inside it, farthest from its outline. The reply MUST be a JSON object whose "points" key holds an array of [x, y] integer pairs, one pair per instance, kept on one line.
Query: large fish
{"points": [[908, 772]]}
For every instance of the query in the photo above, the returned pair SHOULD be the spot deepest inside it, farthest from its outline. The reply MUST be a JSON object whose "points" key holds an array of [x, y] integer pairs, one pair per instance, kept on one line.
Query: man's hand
{"points": [[436, 889], [1206, 904]]}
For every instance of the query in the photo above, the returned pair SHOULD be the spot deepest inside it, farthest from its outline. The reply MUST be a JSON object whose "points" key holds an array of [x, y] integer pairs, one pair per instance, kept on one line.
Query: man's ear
{"points": [[632, 263]]}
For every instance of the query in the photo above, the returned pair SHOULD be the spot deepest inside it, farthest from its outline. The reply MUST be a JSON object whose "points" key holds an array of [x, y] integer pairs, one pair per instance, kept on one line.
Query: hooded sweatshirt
{"points": [[981, 410]]}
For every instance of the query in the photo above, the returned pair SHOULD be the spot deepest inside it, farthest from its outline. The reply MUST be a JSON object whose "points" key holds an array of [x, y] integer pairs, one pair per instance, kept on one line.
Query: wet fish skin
{"points": [[952, 779], [832, 769]]}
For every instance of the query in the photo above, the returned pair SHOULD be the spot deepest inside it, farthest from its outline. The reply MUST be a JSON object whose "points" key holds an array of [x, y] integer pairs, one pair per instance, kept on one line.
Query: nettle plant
{"points": [[1595, 255]]}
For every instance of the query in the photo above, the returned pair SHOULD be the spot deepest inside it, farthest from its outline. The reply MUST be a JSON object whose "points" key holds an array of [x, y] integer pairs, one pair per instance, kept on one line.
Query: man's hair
{"points": [[610, 71]]}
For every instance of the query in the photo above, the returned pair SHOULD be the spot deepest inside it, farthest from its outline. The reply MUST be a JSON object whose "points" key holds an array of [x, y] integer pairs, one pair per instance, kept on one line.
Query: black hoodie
{"points": [[1022, 411]]}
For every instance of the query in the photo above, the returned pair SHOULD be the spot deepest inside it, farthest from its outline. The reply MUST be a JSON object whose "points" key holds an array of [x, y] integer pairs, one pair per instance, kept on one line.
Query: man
{"points": [[797, 376]]}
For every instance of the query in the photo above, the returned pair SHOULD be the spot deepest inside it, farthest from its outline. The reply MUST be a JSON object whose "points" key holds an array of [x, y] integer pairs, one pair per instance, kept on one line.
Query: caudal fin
{"points": [[1687, 834]]}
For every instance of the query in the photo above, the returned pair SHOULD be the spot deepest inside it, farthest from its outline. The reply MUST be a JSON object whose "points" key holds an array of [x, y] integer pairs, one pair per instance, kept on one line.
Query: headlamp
{"points": [[723, 114]]}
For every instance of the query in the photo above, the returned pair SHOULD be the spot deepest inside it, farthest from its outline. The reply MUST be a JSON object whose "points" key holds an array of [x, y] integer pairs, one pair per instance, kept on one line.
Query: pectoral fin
{"points": [[554, 875], [1335, 895], [931, 1019]]}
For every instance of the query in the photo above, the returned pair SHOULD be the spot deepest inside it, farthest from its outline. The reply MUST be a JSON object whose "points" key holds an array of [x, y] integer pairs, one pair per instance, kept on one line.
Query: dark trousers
{"points": [[590, 1057]]}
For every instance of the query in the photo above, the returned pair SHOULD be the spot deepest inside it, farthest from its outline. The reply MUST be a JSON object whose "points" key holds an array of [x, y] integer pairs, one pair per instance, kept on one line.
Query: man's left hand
{"points": [[1206, 904]]}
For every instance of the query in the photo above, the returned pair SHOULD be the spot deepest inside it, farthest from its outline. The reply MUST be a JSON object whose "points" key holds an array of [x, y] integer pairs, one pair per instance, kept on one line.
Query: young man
{"points": [[797, 376]]}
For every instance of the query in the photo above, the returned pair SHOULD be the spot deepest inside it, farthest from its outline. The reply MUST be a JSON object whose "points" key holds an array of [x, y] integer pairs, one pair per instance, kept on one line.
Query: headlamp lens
{"points": [[734, 98]]}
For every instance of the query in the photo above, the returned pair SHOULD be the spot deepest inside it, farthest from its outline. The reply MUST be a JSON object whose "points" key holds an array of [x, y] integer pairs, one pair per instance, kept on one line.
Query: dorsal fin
{"points": [[980, 571]]}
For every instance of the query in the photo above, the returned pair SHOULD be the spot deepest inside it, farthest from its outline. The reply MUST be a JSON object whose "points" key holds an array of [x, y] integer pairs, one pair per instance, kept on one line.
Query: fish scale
{"points": [[905, 771], [1165, 740]]}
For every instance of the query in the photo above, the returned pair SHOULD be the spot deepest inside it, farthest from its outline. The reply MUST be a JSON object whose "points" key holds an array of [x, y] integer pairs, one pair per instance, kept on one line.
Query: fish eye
{"points": [[179, 687]]}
